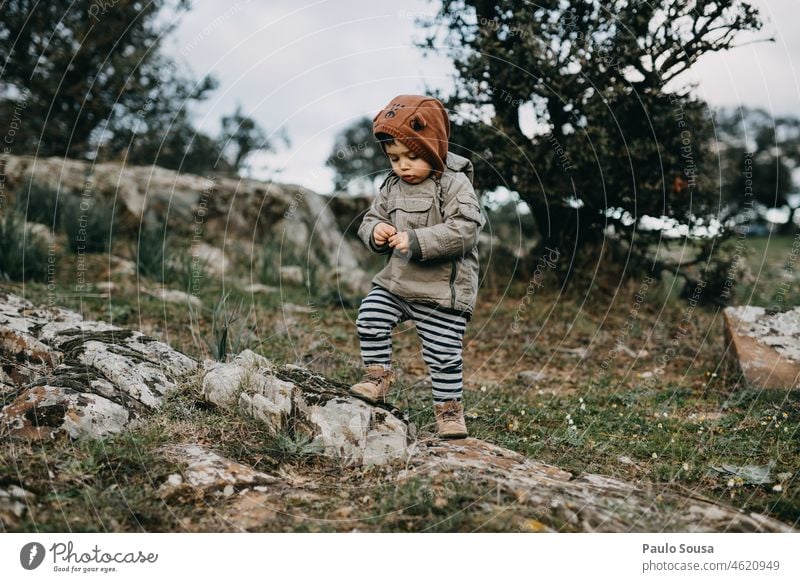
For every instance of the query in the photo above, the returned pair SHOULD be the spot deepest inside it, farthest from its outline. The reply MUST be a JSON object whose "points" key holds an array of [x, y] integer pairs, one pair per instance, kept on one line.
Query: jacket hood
{"points": [[458, 163]]}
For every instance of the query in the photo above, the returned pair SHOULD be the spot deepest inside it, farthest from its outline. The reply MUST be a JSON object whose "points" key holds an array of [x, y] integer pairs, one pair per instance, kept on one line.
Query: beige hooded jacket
{"points": [[443, 218]]}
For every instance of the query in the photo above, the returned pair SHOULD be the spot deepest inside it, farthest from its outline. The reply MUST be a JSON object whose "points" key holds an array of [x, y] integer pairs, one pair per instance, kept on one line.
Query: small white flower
{"points": [[686, 466], [777, 488], [654, 455]]}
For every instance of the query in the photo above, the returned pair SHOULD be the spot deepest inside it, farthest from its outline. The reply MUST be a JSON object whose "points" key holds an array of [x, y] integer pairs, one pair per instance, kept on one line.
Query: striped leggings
{"points": [[441, 335]]}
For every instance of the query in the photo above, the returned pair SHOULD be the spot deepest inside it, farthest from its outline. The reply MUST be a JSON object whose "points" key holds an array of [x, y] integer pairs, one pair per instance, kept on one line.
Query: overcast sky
{"points": [[313, 67]]}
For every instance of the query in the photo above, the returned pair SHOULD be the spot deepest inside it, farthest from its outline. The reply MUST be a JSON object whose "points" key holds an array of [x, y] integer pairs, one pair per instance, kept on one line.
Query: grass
{"points": [[670, 429]]}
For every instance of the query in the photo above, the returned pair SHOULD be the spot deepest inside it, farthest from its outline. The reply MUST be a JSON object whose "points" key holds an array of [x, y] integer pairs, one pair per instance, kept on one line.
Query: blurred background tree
{"points": [[357, 159], [750, 139], [567, 104], [93, 83]]}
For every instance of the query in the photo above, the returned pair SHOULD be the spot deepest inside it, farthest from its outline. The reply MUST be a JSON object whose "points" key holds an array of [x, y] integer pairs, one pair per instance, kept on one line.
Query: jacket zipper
{"points": [[454, 264]]}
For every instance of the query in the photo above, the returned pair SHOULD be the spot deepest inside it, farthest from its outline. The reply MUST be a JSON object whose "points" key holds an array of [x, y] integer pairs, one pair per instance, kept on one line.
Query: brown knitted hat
{"points": [[420, 123]]}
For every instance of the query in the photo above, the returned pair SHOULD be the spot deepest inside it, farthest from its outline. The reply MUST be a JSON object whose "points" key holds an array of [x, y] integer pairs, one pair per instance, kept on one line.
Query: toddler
{"points": [[426, 218]]}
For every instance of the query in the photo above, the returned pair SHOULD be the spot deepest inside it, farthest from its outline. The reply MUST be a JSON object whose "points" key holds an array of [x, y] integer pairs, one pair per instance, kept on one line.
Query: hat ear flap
{"points": [[417, 123]]}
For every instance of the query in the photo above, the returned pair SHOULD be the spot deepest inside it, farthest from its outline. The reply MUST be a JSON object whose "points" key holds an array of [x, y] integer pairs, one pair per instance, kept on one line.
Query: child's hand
{"points": [[382, 232], [399, 241]]}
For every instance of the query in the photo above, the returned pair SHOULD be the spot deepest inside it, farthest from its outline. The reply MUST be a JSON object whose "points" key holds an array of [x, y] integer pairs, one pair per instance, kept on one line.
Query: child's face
{"points": [[406, 164]]}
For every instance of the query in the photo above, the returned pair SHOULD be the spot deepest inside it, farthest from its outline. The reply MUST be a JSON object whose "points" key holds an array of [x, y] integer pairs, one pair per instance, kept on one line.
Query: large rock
{"points": [[201, 210], [765, 346], [249, 384], [80, 377], [555, 500], [294, 401]]}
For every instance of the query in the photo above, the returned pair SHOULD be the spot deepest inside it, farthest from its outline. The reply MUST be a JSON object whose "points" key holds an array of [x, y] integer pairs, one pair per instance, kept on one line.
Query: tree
{"points": [[76, 62], [567, 104], [357, 158], [241, 136], [87, 79], [759, 154], [160, 131]]}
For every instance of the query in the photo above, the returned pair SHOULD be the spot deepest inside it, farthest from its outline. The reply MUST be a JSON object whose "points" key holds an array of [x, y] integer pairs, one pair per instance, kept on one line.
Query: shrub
{"points": [[88, 227], [229, 331], [23, 256], [38, 204], [151, 251]]}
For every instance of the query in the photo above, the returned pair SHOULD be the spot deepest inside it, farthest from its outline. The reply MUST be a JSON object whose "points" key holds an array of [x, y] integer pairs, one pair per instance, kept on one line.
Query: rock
{"points": [[531, 377], [44, 232], [581, 352], [106, 287], [561, 501], [14, 503], [292, 275], [764, 346], [249, 383], [293, 399], [197, 207], [121, 267], [294, 308], [250, 509], [172, 296], [329, 237], [343, 426], [82, 378], [42, 411], [212, 259], [752, 474], [260, 288], [208, 472]]}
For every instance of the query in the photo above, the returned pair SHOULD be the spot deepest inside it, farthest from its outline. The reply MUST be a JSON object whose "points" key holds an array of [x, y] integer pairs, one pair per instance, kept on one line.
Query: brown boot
{"points": [[450, 419], [375, 384]]}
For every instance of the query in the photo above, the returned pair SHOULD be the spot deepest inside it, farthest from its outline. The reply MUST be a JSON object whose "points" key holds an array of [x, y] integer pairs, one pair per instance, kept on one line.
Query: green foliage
{"points": [[285, 446], [39, 204], [241, 135], [23, 256], [152, 252], [231, 330], [761, 152], [89, 225], [609, 136], [119, 95], [357, 158], [96, 61], [276, 253]]}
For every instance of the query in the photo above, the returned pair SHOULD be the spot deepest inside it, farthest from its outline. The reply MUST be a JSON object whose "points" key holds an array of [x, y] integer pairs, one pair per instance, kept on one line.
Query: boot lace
{"points": [[375, 376], [451, 411]]}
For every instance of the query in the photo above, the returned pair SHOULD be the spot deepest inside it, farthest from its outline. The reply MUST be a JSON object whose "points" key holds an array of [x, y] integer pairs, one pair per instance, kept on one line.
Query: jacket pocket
{"points": [[408, 213], [469, 208]]}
